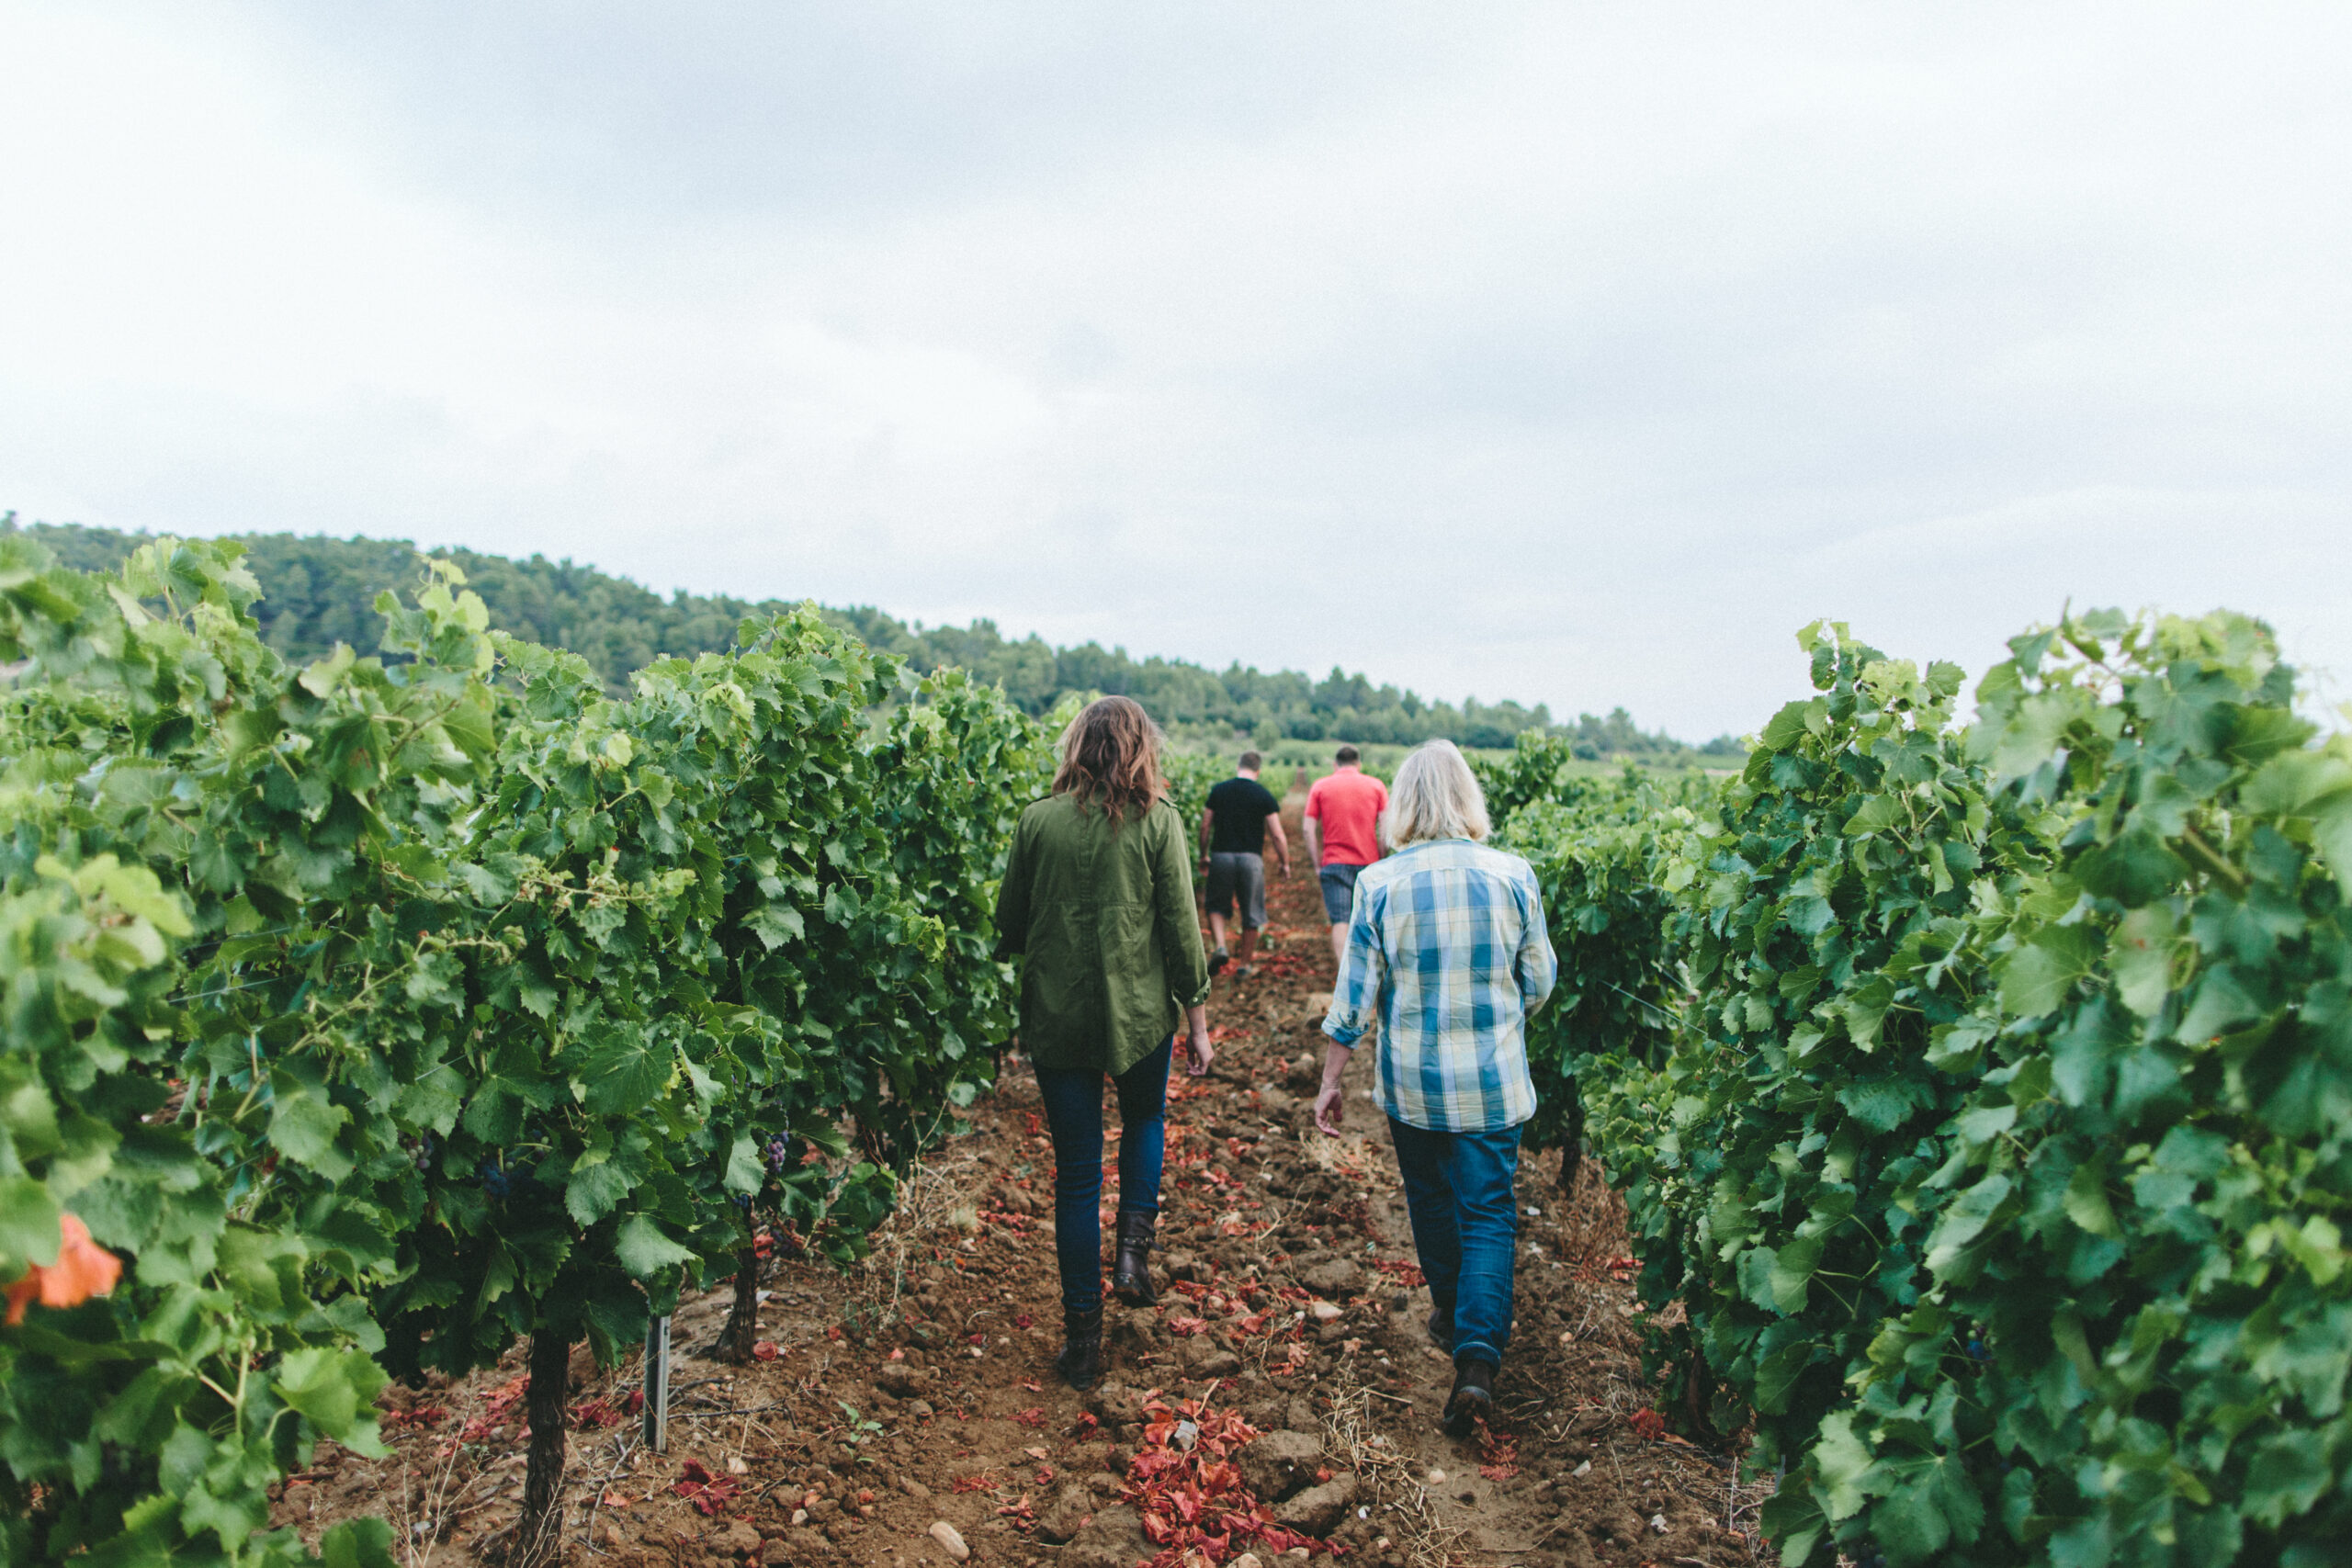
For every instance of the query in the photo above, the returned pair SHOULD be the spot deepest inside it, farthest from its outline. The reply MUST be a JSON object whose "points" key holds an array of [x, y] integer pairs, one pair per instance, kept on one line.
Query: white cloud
{"points": [[1570, 354]]}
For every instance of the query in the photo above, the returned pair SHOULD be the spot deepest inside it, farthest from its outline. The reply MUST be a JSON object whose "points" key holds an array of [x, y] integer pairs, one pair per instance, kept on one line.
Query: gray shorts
{"points": [[1235, 875], [1338, 892]]}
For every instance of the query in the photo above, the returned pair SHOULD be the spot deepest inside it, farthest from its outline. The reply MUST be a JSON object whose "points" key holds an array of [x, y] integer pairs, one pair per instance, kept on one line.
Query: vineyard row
{"points": [[1983, 1094], [375, 1015]]}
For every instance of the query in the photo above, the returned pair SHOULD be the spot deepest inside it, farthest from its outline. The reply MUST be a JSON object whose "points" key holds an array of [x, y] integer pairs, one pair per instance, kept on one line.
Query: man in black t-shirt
{"points": [[1233, 831]]}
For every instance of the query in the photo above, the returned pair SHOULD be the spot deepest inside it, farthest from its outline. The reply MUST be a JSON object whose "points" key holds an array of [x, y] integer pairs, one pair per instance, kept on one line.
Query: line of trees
{"points": [[319, 591]]}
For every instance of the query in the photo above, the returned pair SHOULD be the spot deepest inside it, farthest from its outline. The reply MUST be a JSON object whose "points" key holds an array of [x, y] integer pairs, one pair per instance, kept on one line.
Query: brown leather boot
{"points": [[1131, 1275], [1473, 1399], [1081, 1363]]}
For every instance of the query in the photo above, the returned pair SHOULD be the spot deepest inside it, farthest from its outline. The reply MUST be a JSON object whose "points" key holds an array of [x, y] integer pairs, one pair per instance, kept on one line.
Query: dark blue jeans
{"points": [[1074, 1117], [1465, 1227]]}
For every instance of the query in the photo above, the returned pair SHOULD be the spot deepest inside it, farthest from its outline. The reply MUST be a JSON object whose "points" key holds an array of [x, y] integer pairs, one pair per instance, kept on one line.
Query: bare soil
{"points": [[918, 1390]]}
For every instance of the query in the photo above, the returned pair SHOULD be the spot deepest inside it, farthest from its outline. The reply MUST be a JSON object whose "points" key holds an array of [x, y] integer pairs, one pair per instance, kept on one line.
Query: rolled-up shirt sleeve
{"points": [[1355, 1001], [1177, 916], [1538, 969]]}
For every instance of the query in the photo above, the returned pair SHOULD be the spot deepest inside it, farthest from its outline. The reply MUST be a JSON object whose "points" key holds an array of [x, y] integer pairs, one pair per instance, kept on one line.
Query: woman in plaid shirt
{"points": [[1447, 952]]}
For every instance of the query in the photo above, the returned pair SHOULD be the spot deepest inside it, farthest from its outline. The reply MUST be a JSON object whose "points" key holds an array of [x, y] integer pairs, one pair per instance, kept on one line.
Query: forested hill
{"points": [[319, 591]]}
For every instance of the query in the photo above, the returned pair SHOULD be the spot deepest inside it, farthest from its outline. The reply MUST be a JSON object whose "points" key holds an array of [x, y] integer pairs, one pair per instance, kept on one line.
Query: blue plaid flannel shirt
{"points": [[1448, 951]]}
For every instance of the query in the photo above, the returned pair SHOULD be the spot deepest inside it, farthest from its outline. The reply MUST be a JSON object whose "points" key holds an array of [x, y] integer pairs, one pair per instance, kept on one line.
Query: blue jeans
{"points": [[1465, 1228], [1074, 1118]]}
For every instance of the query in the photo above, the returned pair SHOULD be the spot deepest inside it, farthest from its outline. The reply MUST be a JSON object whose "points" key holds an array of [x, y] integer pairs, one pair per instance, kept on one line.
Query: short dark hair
{"points": [[1251, 760], [1346, 754]]}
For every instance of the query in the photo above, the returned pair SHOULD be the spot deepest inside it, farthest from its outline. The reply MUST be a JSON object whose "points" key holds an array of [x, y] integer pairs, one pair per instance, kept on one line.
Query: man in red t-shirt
{"points": [[1343, 813]]}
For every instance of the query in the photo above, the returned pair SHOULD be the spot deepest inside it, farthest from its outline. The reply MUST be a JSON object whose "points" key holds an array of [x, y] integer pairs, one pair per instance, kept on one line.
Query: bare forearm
{"points": [[1335, 1062]]}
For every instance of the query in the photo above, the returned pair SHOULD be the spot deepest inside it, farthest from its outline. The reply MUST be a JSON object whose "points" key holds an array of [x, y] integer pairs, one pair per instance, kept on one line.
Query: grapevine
{"points": [[1997, 1153], [375, 1014]]}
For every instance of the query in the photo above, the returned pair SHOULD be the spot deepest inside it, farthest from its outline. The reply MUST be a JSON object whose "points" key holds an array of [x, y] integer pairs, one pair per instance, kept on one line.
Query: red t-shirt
{"points": [[1348, 804]]}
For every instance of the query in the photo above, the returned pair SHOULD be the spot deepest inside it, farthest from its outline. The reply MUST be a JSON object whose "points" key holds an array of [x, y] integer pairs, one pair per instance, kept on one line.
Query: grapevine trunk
{"points": [[539, 1532], [743, 1327]]}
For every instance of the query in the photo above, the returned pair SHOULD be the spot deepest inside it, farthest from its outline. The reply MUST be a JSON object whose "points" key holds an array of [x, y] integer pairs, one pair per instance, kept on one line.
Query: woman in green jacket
{"points": [[1098, 897]]}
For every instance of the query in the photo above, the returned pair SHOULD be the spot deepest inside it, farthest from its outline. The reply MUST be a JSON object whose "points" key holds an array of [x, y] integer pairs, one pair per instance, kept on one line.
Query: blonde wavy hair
{"points": [[1436, 796]]}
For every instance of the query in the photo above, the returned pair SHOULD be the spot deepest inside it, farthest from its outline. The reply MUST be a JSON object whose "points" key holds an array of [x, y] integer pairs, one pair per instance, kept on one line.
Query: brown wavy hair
{"points": [[1111, 759]]}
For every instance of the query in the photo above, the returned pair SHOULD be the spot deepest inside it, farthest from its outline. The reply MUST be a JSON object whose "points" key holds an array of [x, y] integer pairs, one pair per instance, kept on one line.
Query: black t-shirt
{"points": [[1239, 809]]}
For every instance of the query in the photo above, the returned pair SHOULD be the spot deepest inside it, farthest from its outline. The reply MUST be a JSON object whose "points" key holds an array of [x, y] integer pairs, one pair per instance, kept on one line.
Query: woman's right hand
{"points": [[1197, 1044], [1331, 1104], [1201, 1052]]}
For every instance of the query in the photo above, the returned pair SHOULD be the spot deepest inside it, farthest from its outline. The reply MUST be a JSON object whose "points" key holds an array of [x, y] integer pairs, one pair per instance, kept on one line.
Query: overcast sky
{"points": [[1567, 352]]}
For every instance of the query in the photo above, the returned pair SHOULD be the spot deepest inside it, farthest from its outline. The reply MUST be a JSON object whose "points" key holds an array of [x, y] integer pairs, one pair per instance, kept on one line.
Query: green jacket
{"points": [[1107, 923]]}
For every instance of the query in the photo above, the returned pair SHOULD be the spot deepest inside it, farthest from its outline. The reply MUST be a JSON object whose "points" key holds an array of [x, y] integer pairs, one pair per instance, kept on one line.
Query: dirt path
{"points": [[919, 1390]]}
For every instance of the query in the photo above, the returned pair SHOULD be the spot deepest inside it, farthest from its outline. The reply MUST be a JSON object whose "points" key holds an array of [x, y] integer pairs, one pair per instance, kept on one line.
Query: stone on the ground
{"points": [[1276, 1464], [1115, 1404], [915, 1489], [739, 1538], [1338, 1277], [951, 1540], [1325, 1312], [898, 1380], [1246, 1559], [1204, 1358], [1114, 1540], [1318, 1509], [1067, 1514]]}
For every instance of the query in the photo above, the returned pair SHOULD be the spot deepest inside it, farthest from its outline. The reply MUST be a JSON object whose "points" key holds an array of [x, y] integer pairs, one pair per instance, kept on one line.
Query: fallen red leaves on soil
{"points": [[708, 1493], [1184, 1482], [591, 1414]]}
